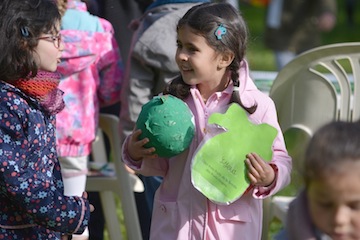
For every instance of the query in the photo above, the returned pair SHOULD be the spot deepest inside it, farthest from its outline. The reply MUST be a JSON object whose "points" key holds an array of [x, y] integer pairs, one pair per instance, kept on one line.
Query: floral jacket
{"points": [[32, 204]]}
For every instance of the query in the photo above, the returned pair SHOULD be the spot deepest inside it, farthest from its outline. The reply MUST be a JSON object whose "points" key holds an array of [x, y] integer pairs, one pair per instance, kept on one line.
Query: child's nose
{"points": [[342, 218], [182, 55], [62, 46]]}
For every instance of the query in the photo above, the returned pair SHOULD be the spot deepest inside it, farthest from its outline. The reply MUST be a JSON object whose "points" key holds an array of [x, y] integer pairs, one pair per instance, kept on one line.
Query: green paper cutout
{"points": [[218, 168]]}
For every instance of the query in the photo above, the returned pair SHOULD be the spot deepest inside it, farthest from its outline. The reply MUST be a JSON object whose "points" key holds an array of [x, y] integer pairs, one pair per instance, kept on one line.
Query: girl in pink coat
{"points": [[211, 40]]}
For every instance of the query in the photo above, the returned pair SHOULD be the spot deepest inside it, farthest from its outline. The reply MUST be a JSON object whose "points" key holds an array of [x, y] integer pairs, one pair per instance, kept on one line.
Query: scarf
{"points": [[44, 88]]}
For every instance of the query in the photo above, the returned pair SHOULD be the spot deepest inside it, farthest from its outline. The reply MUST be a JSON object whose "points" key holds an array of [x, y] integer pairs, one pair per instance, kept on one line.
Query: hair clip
{"points": [[220, 31], [24, 31]]}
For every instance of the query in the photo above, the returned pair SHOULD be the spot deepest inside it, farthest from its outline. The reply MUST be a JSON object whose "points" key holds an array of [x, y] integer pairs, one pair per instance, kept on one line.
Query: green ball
{"points": [[168, 123]]}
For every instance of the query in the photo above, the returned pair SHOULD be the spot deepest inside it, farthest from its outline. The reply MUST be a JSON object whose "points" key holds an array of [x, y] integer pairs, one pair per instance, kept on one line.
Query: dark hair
{"points": [[21, 23], [62, 6], [331, 145], [204, 19]]}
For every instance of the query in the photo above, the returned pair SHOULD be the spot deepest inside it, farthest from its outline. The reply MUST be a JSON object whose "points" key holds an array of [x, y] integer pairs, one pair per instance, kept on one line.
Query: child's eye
{"points": [[192, 49], [354, 205], [325, 204], [178, 45]]}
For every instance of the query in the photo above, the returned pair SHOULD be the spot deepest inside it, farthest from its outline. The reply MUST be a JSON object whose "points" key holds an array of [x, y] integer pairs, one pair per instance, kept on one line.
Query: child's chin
{"points": [[341, 237], [52, 69]]}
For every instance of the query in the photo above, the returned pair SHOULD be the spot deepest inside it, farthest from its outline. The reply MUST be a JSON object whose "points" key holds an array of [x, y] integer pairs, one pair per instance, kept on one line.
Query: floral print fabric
{"points": [[32, 204], [92, 73]]}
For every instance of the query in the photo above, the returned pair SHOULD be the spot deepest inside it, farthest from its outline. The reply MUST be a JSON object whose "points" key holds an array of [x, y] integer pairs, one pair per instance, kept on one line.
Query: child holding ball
{"points": [[211, 44]]}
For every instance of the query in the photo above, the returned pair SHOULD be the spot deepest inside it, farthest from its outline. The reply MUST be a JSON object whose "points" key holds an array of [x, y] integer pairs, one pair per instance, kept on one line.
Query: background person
{"points": [[294, 26], [91, 75]]}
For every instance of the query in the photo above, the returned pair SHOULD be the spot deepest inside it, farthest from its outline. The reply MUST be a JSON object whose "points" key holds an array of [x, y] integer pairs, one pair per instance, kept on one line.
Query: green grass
{"points": [[258, 56], [261, 58], [121, 220]]}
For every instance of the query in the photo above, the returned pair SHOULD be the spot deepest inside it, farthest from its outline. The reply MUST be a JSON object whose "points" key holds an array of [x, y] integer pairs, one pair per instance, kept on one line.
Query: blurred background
{"points": [[261, 58]]}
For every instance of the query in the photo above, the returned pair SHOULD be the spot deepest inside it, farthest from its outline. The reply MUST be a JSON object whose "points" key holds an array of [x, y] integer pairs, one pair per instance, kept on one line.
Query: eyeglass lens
{"points": [[57, 40]]}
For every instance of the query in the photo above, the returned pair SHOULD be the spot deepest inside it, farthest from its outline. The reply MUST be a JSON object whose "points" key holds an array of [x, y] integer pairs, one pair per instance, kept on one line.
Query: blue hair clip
{"points": [[220, 31], [24, 31]]}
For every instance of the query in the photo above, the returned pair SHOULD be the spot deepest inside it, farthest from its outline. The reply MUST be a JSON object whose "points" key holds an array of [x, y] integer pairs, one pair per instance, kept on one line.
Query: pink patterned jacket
{"points": [[92, 74]]}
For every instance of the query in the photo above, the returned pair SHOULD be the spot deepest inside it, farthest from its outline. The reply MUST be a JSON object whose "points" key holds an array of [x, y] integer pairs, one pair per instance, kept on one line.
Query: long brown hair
{"points": [[204, 19], [62, 5], [21, 23]]}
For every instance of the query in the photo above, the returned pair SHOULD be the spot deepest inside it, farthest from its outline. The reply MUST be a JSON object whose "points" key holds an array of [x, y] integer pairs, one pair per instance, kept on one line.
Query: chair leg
{"points": [[266, 218], [131, 219], [111, 219]]}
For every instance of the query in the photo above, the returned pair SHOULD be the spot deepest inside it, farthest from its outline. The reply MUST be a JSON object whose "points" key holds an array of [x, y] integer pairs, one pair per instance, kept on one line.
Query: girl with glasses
{"points": [[33, 204]]}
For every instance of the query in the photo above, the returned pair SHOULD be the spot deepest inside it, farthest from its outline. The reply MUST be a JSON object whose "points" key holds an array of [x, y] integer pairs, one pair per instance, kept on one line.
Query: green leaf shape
{"points": [[218, 168]]}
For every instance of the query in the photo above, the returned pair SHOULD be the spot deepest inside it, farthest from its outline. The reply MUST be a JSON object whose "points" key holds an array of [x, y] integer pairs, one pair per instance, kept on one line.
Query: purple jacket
{"points": [[181, 211], [298, 215]]}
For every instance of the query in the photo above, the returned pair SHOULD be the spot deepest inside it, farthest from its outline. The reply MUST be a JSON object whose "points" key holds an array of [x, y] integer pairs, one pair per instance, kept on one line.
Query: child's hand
{"points": [[136, 148], [85, 195], [260, 173]]}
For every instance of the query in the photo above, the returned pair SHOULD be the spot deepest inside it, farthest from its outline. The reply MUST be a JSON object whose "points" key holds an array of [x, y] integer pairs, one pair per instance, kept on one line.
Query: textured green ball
{"points": [[168, 123]]}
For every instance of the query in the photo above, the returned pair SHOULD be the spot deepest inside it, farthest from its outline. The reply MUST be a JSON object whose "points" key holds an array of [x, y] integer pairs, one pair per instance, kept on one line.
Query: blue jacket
{"points": [[32, 204]]}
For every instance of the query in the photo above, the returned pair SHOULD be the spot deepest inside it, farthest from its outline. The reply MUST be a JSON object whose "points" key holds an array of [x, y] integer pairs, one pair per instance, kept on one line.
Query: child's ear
{"points": [[226, 59]]}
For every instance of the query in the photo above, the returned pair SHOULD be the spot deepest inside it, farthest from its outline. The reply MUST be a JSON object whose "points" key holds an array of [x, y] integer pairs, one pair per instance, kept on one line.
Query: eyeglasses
{"points": [[56, 39]]}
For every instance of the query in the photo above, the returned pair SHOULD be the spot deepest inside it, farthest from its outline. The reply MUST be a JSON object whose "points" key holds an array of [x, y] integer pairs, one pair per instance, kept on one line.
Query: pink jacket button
{"points": [[163, 208]]}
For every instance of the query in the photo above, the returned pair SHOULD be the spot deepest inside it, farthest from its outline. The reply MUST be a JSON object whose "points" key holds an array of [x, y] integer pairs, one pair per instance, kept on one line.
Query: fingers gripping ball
{"points": [[168, 123]]}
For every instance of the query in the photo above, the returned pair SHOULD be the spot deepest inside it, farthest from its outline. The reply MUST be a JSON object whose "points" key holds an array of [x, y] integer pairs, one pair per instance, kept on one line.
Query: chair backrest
{"points": [[318, 86], [119, 181]]}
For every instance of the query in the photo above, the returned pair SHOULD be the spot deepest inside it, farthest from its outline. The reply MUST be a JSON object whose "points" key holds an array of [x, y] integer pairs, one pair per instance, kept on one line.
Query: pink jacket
{"points": [[92, 73], [182, 212]]}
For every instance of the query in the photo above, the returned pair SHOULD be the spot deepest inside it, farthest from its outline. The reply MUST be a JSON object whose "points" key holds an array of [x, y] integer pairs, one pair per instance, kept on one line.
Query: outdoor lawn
{"points": [[261, 59]]}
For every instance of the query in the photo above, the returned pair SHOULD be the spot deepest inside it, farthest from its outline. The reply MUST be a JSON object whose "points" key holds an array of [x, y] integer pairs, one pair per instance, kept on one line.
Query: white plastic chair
{"points": [[310, 91], [117, 181]]}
